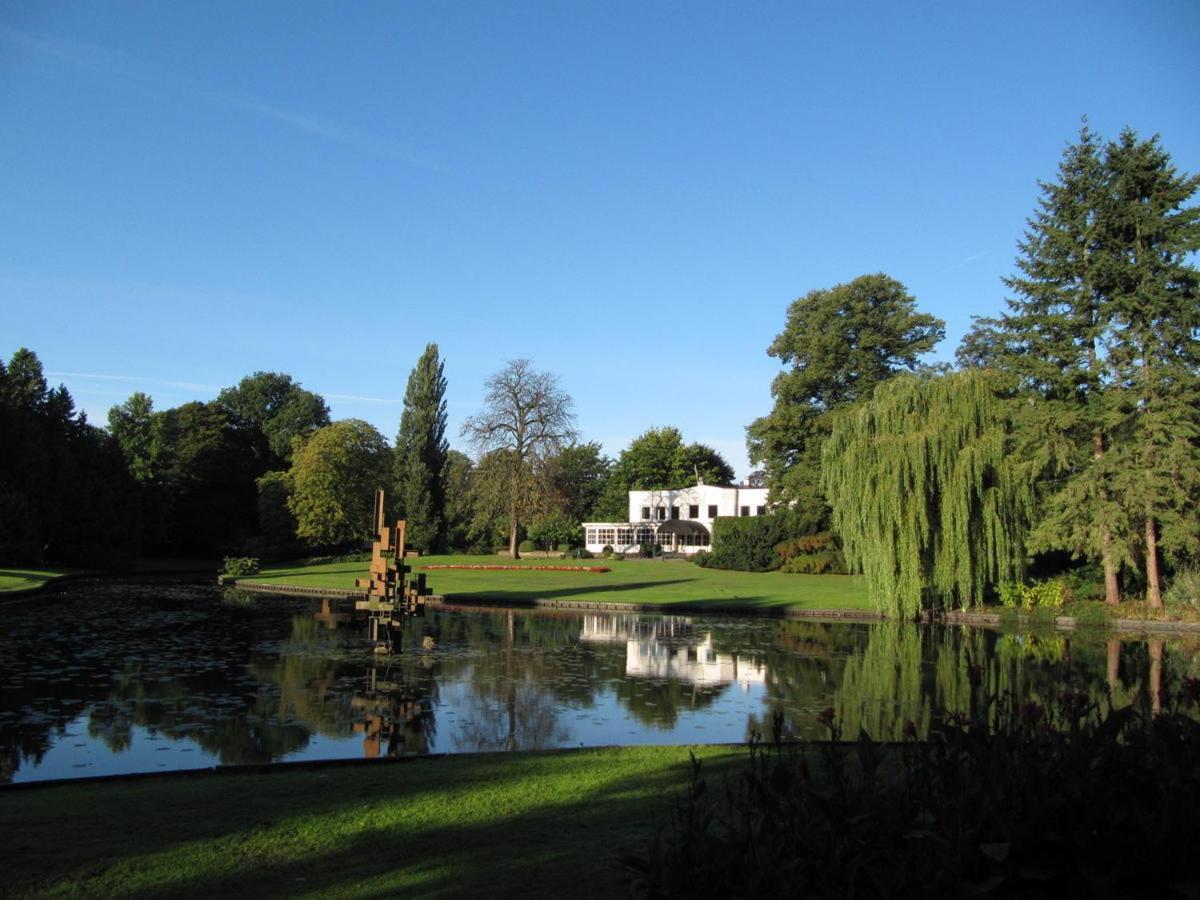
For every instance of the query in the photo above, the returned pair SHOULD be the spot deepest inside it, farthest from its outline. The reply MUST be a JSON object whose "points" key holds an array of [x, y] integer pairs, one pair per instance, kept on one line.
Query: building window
{"points": [[674, 512], [694, 511], [762, 511], [591, 535], [645, 514], [660, 513], [712, 511], [745, 510], [624, 536]]}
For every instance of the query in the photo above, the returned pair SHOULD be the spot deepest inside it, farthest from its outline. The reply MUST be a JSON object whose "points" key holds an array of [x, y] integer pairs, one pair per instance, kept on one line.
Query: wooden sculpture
{"points": [[391, 595]]}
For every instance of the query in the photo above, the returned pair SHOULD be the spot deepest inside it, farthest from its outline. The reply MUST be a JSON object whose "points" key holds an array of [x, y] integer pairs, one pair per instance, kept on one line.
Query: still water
{"points": [[105, 678]]}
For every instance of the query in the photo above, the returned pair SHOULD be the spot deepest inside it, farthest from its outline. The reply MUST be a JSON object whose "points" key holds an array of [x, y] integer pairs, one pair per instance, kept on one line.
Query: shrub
{"points": [[606, 551], [618, 556], [749, 543], [702, 558], [526, 546], [1184, 589], [648, 551], [1053, 593], [581, 553], [239, 566], [812, 554]]}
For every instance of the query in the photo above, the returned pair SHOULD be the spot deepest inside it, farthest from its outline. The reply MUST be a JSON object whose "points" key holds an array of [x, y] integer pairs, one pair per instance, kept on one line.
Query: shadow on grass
{"points": [[528, 596], [560, 843]]}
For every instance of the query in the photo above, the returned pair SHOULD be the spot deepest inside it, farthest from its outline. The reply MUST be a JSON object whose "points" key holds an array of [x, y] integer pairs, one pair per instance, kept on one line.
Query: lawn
{"points": [[21, 579], [529, 824], [630, 581]]}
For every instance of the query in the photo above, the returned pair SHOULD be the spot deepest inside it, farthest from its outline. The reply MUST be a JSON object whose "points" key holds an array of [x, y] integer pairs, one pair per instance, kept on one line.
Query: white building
{"points": [[681, 521]]}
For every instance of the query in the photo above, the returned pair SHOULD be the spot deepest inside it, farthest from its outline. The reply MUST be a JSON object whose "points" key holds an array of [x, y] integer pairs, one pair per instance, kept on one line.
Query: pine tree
{"points": [[1154, 346], [1102, 336], [421, 454], [1050, 340]]}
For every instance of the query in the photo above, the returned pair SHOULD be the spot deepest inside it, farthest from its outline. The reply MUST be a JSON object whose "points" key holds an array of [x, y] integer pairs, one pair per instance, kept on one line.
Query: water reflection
{"points": [[151, 677]]}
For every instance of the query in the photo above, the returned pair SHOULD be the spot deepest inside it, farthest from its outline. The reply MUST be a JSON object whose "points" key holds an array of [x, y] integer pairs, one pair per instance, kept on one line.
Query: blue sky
{"points": [[630, 194]]}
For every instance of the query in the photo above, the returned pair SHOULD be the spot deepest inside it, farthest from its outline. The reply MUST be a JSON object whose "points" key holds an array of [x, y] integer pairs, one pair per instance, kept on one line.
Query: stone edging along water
{"points": [[985, 619]]}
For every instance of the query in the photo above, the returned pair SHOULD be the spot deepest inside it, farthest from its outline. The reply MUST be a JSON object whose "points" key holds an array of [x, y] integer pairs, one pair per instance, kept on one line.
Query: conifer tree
{"points": [[1154, 346], [1050, 340], [421, 454], [1103, 334]]}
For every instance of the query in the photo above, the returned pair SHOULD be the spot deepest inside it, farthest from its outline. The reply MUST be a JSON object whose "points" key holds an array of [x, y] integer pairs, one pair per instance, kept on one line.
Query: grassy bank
{"points": [[630, 581], [532, 824], [24, 579]]}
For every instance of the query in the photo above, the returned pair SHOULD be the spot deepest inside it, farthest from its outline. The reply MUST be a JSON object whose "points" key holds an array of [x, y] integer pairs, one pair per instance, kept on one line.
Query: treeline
{"points": [[1066, 442], [262, 471]]}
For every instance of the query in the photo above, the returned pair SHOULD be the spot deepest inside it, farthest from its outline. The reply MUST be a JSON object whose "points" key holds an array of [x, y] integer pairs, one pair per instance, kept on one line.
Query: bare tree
{"points": [[527, 415]]}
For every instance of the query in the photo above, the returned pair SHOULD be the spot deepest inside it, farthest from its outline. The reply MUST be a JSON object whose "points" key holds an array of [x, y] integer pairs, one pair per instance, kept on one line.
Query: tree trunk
{"points": [[1114, 664], [514, 550], [1153, 582], [1156, 661], [1112, 590]]}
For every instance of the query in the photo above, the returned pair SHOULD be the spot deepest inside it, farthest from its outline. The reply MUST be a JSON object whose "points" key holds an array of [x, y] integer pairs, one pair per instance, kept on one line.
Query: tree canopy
{"points": [[278, 408], [334, 475], [658, 459], [838, 344]]}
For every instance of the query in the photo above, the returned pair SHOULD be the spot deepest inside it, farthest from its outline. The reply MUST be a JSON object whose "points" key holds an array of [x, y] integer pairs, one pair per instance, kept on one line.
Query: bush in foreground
{"points": [[1040, 803]]}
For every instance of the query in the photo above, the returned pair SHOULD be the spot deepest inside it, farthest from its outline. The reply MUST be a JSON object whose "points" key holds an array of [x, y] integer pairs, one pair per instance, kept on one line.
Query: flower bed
{"points": [[527, 568]]}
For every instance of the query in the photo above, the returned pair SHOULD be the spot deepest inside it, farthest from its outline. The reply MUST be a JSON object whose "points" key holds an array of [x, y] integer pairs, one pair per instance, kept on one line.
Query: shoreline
{"points": [[973, 618]]}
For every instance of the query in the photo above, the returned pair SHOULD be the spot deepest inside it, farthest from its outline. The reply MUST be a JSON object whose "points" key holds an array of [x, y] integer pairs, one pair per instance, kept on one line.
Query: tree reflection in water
{"points": [[270, 678]]}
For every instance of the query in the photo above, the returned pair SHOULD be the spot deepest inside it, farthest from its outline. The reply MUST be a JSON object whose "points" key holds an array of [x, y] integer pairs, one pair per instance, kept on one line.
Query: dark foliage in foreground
{"points": [[1046, 803]]}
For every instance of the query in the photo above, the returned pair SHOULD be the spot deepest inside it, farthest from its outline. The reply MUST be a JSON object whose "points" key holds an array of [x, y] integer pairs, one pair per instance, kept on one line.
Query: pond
{"points": [[103, 678]]}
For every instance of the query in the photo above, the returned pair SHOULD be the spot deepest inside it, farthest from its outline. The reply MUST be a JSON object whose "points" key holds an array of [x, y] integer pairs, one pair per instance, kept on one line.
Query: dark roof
{"points": [[682, 526]]}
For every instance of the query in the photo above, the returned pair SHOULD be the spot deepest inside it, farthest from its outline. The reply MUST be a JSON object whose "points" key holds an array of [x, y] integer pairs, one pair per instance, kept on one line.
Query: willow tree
{"points": [[927, 501]]}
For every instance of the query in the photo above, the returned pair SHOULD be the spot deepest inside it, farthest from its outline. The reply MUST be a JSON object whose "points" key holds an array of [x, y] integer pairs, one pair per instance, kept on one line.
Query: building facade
{"points": [[680, 521]]}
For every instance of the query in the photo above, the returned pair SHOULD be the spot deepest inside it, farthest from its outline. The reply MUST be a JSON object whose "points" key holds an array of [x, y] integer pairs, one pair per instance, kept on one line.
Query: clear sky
{"points": [[629, 194]]}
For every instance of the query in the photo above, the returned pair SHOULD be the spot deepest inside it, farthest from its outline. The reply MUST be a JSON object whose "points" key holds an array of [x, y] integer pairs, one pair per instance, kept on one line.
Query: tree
{"points": [[1050, 340], [132, 424], [530, 418], [1153, 290], [658, 459], [420, 456], [554, 529], [924, 493], [60, 477], [275, 409], [335, 474], [578, 475], [839, 344], [1102, 338], [458, 499]]}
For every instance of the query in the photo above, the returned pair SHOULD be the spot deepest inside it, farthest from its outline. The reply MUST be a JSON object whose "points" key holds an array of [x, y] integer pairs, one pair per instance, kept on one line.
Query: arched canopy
{"points": [[682, 526]]}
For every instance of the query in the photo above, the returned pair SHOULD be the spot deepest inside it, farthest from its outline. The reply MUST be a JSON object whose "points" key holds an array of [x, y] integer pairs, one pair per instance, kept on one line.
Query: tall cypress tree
{"points": [[1154, 346], [421, 454]]}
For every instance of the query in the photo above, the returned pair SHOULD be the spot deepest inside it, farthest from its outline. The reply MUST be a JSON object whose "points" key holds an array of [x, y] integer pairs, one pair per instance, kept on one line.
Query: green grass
{"points": [[529, 824], [22, 579], [630, 581]]}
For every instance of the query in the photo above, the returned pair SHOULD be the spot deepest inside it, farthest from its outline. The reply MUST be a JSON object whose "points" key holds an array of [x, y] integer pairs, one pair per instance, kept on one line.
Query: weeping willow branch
{"points": [[924, 497]]}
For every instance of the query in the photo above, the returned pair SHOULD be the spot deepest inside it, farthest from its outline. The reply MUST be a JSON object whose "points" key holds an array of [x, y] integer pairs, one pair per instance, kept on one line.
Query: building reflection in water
{"points": [[671, 648]]}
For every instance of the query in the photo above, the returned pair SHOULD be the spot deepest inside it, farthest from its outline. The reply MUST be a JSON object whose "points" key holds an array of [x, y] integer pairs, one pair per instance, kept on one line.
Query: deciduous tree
{"points": [[838, 344], [335, 474], [529, 418]]}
